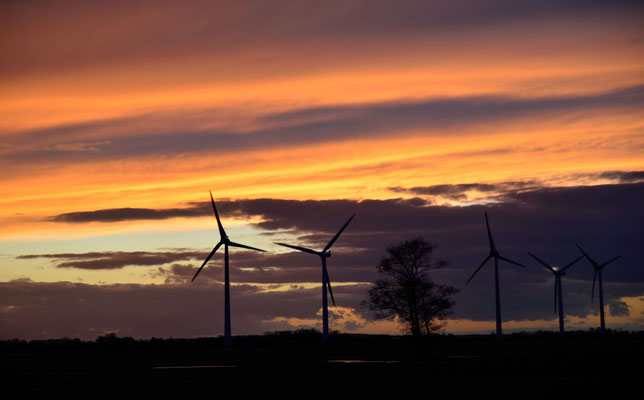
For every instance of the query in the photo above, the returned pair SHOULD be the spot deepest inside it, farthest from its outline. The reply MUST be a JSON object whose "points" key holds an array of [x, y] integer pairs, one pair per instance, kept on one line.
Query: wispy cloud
{"points": [[458, 191], [305, 126], [623, 176], [131, 214], [507, 191], [79, 146], [115, 259]]}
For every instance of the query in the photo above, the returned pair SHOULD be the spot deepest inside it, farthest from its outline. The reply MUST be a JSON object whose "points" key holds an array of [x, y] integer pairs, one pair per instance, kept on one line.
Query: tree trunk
{"points": [[415, 323]]}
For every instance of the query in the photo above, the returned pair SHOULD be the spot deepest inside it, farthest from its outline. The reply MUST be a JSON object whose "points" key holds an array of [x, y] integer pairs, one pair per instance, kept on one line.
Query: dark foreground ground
{"points": [[297, 365]]}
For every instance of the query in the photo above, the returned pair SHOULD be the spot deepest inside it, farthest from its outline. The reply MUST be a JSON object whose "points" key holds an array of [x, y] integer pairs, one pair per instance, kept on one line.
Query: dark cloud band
{"points": [[605, 219], [115, 259]]}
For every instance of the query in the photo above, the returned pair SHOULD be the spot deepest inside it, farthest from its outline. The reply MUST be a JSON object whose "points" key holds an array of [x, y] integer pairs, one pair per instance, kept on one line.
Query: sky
{"points": [[117, 118]]}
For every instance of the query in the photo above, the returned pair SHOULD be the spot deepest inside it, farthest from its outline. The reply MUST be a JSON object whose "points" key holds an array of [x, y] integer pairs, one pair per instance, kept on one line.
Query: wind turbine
{"points": [[598, 271], [494, 253], [558, 274], [223, 240], [326, 282]]}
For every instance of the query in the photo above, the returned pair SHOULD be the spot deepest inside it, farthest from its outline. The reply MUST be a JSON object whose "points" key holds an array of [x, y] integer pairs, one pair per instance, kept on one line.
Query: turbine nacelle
{"points": [[558, 271], [325, 254]]}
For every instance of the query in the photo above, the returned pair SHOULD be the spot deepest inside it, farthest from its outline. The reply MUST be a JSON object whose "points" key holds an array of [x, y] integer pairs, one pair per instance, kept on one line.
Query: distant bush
{"points": [[297, 332]]}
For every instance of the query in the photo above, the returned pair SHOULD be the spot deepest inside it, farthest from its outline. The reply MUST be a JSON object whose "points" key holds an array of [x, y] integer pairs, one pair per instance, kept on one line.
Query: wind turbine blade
{"points": [[609, 261], [570, 265], [542, 262], [489, 233], [592, 295], [243, 246], [480, 266], [511, 262], [222, 232], [304, 249], [328, 284], [212, 253], [337, 235], [593, 262]]}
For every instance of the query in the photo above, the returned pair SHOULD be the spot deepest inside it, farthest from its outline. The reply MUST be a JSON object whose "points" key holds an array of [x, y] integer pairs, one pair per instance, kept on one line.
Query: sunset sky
{"points": [[117, 118]]}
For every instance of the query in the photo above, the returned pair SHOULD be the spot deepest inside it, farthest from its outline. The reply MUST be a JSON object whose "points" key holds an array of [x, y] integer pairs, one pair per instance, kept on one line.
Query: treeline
{"points": [[305, 337]]}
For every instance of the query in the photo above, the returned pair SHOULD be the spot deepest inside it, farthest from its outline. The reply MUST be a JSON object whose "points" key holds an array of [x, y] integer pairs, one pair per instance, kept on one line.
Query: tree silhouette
{"points": [[405, 290]]}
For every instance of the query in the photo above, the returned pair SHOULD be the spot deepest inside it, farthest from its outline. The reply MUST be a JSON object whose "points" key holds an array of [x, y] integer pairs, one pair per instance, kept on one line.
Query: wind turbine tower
{"points": [[226, 242], [494, 253], [558, 274], [598, 272], [326, 282]]}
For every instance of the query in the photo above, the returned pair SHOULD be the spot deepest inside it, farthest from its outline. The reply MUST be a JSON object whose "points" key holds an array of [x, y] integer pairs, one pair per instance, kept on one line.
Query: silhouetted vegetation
{"points": [[274, 365], [405, 291], [302, 340]]}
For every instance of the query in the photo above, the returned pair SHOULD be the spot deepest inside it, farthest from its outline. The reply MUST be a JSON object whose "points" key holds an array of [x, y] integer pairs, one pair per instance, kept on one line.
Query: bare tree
{"points": [[405, 290]]}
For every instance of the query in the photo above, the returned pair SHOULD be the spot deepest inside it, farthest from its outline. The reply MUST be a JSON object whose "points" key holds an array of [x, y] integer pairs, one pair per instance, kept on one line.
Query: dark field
{"points": [[297, 365]]}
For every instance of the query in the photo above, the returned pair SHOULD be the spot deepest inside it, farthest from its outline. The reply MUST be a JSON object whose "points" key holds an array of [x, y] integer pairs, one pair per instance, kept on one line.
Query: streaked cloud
{"points": [[114, 260], [432, 117], [458, 191], [623, 176], [509, 191], [129, 214]]}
